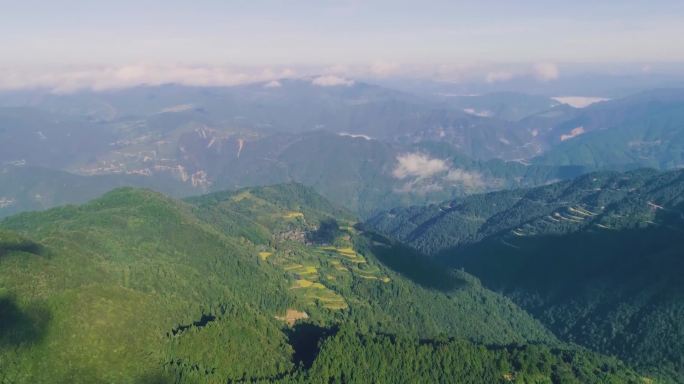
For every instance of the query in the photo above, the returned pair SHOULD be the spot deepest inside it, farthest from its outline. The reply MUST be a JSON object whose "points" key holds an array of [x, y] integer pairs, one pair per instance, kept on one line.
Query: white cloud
{"points": [[355, 135], [418, 187], [423, 174], [546, 71], [574, 133], [474, 112], [178, 108], [331, 81], [418, 165], [273, 84], [499, 76], [579, 101], [468, 179]]}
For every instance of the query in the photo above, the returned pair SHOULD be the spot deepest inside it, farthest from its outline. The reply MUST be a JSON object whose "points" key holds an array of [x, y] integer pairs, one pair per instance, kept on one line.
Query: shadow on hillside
{"points": [[414, 266], [305, 339], [21, 246], [163, 378], [22, 325], [327, 232], [597, 288], [90, 376], [553, 264]]}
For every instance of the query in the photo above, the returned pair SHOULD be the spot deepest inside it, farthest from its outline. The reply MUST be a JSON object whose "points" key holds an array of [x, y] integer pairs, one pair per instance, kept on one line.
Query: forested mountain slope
{"points": [[642, 130], [598, 260], [138, 287], [593, 200]]}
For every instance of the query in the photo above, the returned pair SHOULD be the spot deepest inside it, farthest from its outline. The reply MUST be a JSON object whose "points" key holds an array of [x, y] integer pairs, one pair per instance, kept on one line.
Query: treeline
{"points": [[354, 357]]}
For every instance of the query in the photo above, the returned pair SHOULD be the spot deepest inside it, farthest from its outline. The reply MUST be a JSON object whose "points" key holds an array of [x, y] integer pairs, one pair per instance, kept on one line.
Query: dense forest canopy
{"points": [[597, 259], [153, 287]]}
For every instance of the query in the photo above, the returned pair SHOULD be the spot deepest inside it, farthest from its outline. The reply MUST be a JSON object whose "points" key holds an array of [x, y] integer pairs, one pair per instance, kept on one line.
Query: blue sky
{"points": [[381, 35]]}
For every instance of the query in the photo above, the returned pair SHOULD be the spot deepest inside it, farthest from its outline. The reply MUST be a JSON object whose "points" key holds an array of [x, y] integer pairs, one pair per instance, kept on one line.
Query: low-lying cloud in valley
{"points": [[470, 180], [425, 174], [418, 165]]}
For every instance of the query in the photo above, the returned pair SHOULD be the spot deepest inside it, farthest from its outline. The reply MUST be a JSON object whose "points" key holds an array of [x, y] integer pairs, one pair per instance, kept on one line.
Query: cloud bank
{"points": [[65, 79], [331, 81], [106, 78], [541, 71]]}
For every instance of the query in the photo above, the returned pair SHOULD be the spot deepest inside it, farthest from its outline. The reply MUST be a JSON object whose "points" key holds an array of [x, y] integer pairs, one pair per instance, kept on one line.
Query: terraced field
{"points": [[317, 272]]}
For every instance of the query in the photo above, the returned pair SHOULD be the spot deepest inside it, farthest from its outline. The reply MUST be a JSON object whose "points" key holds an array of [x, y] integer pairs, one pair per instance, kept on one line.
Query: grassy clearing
{"points": [[292, 267], [302, 269], [265, 255], [338, 266], [327, 298], [292, 315], [241, 196], [384, 279], [304, 283], [293, 215], [348, 253]]}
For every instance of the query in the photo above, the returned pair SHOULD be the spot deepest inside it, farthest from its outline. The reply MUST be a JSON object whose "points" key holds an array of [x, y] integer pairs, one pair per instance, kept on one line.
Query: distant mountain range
{"points": [[505, 237], [364, 146]]}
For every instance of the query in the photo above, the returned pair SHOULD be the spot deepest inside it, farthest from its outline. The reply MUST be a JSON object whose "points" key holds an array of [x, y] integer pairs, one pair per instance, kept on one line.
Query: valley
{"points": [[253, 233], [341, 192]]}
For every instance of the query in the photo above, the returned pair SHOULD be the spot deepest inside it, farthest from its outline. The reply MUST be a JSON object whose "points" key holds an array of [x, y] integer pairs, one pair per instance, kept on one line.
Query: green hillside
{"points": [[597, 260], [135, 287], [614, 291], [612, 199]]}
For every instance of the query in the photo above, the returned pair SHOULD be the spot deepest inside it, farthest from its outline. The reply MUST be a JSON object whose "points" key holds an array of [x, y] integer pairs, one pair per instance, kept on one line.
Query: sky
{"points": [[216, 41]]}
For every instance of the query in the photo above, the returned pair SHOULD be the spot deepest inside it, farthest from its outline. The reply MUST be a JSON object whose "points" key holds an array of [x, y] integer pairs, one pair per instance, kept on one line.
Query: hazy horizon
{"points": [[71, 45]]}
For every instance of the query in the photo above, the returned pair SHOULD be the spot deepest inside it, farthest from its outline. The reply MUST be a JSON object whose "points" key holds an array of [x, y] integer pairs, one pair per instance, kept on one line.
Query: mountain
{"points": [[362, 174], [361, 145], [24, 188], [611, 86], [366, 147], [148, 115], [508, 106], [557, 208], [181, 157], [596, 259], [637, 131], [38, 138], [240, 286]]}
